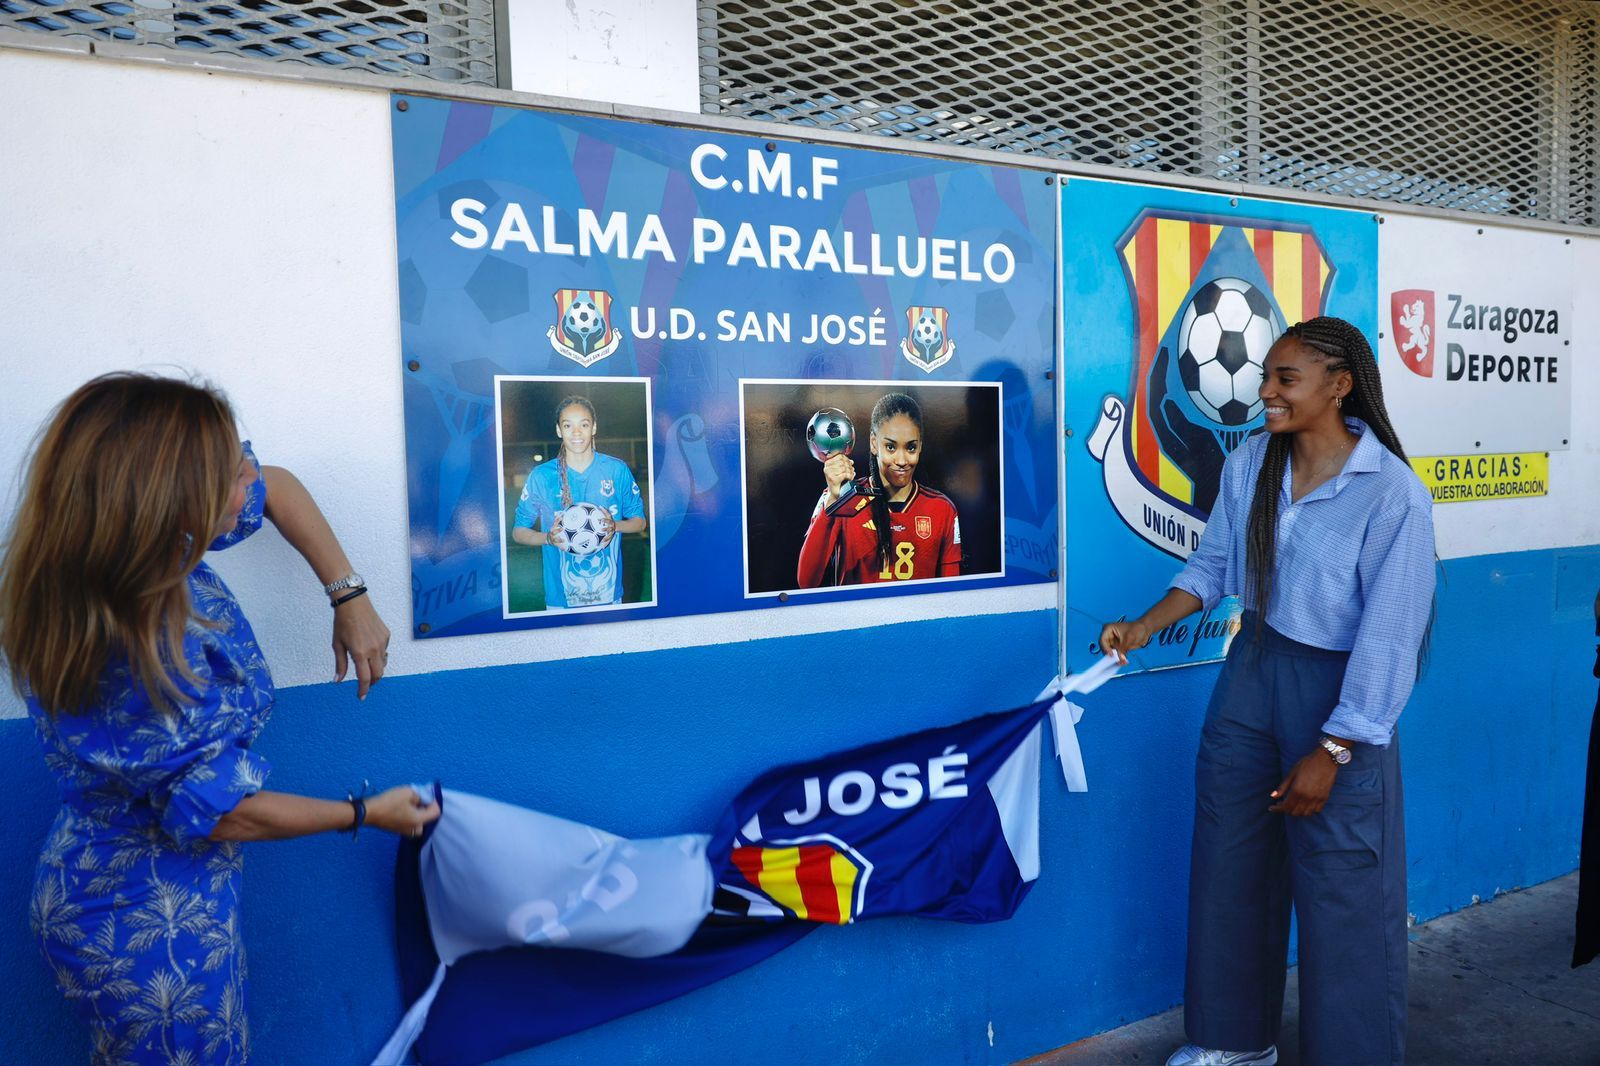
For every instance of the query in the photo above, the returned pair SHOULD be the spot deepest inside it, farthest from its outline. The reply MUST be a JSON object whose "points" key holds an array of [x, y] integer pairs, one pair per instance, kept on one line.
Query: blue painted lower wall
{"points": [[656, 743]]}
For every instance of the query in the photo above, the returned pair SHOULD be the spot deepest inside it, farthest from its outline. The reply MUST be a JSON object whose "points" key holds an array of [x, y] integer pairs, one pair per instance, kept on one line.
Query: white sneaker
{"points": [[1194, 1055]]}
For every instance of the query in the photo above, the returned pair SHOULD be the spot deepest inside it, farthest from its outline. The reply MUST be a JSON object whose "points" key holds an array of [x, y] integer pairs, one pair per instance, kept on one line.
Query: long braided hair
{"points": [[889, 405], [1340, 346], [561, 457]]}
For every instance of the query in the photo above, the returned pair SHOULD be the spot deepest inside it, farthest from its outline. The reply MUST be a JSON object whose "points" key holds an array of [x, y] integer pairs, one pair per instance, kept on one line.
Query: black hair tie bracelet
{"points": [[358, 806], [347, 597]]}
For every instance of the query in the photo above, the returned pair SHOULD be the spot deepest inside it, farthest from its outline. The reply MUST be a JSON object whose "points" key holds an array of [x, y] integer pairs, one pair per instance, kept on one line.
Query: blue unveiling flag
{"points": [[491, 1003], [941, 824], [516, 928]]}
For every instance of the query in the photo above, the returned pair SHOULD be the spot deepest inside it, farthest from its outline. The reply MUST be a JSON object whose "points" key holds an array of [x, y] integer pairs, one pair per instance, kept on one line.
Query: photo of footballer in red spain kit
{"points": [[910, 484], [891, 528]]}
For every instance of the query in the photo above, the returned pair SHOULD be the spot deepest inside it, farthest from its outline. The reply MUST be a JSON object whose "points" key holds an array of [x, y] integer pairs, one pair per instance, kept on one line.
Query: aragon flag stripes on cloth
{"points": [[516, 927]]}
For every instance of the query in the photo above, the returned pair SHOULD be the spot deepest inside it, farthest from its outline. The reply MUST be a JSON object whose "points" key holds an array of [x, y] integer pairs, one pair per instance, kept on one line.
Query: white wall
{"points": [[158, 216], [638, 52]]}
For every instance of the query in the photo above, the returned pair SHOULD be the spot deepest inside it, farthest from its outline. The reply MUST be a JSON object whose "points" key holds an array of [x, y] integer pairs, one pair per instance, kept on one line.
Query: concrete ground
{"points": [[1489, 984]]}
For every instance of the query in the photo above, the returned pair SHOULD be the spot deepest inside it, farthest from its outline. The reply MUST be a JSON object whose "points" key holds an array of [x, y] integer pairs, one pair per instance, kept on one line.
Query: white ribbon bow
{"points": [[1065, 715]]}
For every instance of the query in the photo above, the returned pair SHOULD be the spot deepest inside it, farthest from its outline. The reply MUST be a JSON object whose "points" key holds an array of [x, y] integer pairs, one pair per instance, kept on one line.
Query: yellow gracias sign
{"points": [[1458, 478]]}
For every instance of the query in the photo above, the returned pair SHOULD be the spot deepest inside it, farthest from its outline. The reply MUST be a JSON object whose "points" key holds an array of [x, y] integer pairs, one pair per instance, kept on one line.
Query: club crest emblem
{"points": [[1411, 316], [927, 345], [815, 879], [583, 331], [1209, 296], [608, 487], [924, 526]]}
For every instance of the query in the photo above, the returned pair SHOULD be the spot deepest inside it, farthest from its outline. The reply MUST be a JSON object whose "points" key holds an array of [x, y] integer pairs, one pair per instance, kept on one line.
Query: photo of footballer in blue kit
{"points": [[575, 506]]}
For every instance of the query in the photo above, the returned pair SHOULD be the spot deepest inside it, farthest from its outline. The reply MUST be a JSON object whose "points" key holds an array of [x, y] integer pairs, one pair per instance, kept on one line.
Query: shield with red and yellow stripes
{"points": [[1168, 258], [815, 879]]}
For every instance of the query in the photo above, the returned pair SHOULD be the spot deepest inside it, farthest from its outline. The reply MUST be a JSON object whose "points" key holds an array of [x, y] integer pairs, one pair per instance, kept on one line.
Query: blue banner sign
{"points": [[658, 371], [1170, 302]]}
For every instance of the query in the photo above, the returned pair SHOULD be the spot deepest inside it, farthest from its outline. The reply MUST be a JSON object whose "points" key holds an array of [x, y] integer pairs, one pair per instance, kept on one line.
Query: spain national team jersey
{"points": [[571, 581], [842, 549]]}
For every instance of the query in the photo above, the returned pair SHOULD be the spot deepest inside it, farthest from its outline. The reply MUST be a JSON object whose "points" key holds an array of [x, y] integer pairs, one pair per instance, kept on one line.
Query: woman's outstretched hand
{"points": [[1306, 788], [401, 811], [360, 639], [1120, 638]]}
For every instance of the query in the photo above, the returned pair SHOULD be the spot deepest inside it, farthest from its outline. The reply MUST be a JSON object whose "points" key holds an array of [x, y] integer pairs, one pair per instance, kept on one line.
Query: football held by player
{"points": [[894, 528], [578, 573]]}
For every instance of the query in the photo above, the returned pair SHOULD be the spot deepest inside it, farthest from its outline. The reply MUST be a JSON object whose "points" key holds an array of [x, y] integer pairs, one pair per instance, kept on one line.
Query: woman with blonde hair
{"points": [[147, 690]]}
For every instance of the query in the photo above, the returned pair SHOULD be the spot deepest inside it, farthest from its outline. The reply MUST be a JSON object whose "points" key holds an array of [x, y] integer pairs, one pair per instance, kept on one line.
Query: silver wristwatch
{"points": [[351, 580], [1336, 751]]}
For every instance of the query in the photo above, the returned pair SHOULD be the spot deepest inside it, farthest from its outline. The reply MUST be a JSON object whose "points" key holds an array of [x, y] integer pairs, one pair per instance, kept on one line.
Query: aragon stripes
{"points": [[815, 881]]}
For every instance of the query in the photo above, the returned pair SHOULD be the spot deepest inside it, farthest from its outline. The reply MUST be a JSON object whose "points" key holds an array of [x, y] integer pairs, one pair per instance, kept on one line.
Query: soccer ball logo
{"points": [[583, 330], [584, 323], [928, 335], [1223, 341], [927, 344], [582, 529]]}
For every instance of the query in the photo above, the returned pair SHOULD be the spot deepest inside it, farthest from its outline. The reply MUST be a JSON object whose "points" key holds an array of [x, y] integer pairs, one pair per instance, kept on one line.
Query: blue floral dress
{"points": [[136, 910]]}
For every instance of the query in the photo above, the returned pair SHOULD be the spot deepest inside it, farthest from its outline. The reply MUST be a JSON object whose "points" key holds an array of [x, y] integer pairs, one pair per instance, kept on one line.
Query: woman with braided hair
{"points": [[1327, 536], [579, 474], [897, 529]]}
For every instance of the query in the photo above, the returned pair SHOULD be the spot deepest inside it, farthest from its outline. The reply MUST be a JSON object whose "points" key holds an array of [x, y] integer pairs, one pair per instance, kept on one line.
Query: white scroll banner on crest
{"points": [[1174, 531]]}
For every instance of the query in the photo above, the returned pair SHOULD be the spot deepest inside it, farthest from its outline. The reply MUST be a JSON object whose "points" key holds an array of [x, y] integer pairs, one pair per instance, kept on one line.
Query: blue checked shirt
{"points": [[1355, 572]]}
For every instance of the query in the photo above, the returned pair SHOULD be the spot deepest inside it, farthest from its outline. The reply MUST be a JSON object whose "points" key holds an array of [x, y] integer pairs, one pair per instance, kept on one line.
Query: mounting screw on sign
{"points": [[783, 597], [1049, 179], [424, 628], [402, 106], [413, 365], [1069, 431], [1233, 201], [772, 147], [1052, 573], [1049, 375]]}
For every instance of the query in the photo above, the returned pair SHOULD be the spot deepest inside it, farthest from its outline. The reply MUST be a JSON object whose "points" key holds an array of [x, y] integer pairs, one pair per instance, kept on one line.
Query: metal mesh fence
{"points": [[1486, 106], [445, 40]]}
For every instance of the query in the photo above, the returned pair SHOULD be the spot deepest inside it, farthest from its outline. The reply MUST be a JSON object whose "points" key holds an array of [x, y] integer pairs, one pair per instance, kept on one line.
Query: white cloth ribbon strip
{"points": [[1065, 715]]}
